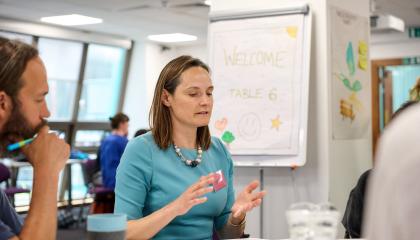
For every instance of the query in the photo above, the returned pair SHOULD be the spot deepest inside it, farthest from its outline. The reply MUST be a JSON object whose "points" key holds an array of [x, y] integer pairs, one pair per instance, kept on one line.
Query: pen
{"points": [[18, 145]]}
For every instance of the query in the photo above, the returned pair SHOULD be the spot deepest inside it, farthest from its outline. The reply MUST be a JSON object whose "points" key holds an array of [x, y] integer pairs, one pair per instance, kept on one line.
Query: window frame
{"points": [[71, 127]]}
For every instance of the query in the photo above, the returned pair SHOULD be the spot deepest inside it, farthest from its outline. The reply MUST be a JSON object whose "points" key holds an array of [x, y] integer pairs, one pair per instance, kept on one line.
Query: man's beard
{"points": [[16, 129]]}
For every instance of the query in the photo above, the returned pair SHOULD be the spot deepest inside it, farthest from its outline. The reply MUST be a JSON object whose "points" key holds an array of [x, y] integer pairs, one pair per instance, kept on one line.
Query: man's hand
{"points": [[47, 152]]}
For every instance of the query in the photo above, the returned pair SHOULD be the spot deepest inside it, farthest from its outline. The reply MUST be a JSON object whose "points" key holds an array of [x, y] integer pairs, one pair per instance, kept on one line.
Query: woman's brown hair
{"points": [[160, 116]]}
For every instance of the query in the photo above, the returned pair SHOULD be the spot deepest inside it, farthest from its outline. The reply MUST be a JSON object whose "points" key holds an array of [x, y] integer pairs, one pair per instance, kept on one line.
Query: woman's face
{"points": [[192, 102]]}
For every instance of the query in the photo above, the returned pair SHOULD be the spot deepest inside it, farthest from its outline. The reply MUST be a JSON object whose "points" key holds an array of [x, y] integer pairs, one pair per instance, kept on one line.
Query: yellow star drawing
{"points": [[275, 123]]}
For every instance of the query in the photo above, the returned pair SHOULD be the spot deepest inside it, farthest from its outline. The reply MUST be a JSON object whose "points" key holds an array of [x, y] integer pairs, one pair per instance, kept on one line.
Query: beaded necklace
{"points": [[188, 162]]}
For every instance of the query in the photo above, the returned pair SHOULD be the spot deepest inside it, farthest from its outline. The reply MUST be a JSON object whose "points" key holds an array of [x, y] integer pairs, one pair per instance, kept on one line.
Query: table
{"points": [[66, 181]]}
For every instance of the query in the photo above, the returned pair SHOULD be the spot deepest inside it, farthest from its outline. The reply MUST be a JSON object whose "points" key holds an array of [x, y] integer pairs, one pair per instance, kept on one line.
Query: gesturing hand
{"points": [[193, 195], [246, 201]]}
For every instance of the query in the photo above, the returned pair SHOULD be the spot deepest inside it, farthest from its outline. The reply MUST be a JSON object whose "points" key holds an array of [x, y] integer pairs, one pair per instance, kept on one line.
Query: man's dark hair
{"points": [[14, 56], [118, 119], [141, 132]]}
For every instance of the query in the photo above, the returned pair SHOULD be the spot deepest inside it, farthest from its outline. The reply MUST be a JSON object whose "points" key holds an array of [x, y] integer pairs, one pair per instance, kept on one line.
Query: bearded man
{"points": [[23, 110]]}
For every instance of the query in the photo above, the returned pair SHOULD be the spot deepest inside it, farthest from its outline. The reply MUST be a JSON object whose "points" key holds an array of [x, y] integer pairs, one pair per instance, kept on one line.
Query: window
{"points": [[404, 77], [78, 184], [85, 83], [102, 83], [89, 138], [63, 75], [24, 179], [22, 37]]}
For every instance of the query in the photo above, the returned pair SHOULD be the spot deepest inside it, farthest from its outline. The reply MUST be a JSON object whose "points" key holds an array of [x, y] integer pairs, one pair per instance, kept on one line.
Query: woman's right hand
{"points": [[193, 195]]}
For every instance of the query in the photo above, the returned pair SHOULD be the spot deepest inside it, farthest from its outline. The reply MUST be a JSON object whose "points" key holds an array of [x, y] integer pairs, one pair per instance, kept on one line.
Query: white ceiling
{"points": [[127, 17], [121, 17]]}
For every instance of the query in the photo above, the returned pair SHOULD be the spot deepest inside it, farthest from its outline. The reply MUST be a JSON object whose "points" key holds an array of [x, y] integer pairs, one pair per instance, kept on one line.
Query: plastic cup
{"points": [[325, 222], [106, 226], [299, 218]]}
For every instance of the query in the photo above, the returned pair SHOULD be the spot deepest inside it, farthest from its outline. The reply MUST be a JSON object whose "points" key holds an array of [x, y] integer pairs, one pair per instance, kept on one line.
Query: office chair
{"points": [[10, 191], [89, 167]]}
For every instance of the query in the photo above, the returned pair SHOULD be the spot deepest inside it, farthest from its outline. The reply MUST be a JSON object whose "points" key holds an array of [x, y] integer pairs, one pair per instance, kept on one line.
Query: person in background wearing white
{"points": [[393, 200]]}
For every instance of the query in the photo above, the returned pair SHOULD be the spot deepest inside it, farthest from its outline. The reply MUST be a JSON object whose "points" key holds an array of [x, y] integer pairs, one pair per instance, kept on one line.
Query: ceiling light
{"points": [[71, 20], [172, 37], [207, 2]]}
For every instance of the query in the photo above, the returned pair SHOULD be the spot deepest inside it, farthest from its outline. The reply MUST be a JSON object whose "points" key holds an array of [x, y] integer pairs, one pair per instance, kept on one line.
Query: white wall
{"points": [[332, 166], [308, 183], [197, 51], [148, 59], [348, 158], [393, 45], [135, 94]]}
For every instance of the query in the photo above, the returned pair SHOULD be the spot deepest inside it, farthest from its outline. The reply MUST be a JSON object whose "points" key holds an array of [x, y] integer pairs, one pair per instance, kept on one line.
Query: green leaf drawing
{"points": [[357, 86], [350, 59], [228, 137], [346, 82]]}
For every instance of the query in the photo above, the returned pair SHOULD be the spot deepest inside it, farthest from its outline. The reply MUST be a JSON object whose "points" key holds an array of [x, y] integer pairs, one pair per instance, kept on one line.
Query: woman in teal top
{"points": [[176, 182]]}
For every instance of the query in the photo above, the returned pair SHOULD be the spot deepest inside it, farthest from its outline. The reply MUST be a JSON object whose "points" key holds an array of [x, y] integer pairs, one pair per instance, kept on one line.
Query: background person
{"points": [[112, 148], [140, 132], [109, 155], [415, 91], [393, 200], [354, 213]]}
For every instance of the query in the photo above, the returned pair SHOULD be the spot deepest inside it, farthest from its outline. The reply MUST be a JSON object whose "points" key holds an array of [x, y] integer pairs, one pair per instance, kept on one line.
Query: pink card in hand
{"points": [[219, 181]]}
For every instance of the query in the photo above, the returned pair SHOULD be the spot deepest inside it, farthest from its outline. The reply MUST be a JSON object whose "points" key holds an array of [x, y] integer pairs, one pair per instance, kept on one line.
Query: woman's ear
{"points": [[165, 98]]}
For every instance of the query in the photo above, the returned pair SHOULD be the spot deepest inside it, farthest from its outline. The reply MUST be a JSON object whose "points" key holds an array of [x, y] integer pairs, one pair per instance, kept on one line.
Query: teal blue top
{"points": [[149, 178]]}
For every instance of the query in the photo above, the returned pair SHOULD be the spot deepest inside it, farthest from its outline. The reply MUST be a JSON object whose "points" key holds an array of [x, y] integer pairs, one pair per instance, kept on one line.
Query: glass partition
{"points": [[102, 83], [63, 75]]}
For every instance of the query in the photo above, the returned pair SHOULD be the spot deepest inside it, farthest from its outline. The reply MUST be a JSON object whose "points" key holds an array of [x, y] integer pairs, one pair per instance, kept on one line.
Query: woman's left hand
{"points": [[246, 201]]}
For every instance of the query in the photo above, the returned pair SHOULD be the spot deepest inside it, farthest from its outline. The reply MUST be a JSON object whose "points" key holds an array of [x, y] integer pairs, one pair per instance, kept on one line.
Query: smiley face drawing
{"points": [[249, 127]]}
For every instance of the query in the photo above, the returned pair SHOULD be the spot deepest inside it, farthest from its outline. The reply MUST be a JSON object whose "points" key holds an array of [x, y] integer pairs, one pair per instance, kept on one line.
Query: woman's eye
{"points": [[193, 94], [209, 94]]}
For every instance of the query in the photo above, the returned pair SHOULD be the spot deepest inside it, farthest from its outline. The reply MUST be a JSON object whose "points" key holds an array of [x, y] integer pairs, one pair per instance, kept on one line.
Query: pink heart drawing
{"points": [[221, 124]]}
